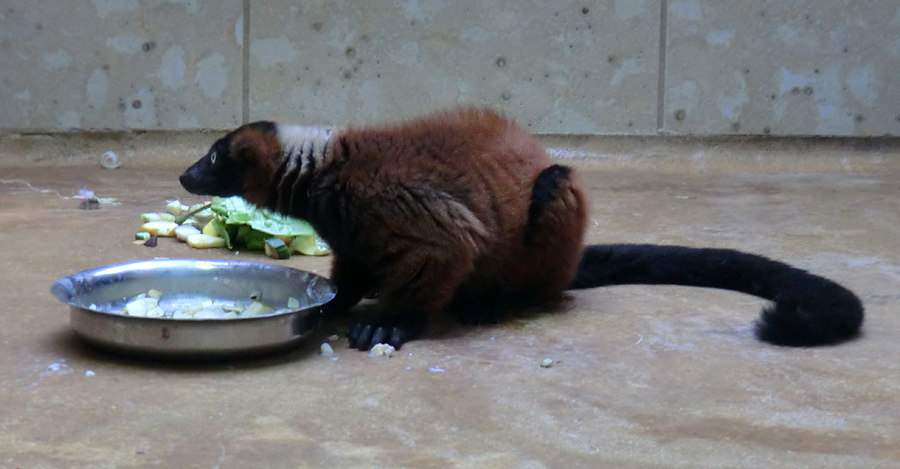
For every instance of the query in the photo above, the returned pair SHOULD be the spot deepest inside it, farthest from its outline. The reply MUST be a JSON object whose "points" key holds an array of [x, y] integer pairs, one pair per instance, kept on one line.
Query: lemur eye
{"points": [[212, 158]]}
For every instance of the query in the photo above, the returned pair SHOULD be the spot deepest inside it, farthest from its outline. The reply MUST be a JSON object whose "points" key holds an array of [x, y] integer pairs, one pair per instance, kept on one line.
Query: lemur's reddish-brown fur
{"points": [[451, 192], [434, 210], [464, 211], [259, 154]]}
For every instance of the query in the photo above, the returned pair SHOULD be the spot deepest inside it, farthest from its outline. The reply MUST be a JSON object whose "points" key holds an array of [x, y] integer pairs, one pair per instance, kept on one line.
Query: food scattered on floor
{"points": [[151, 241], [326, 350], [91, 203], [381, 350], [204, 241], [276, 249], [547, 363], [232, 222], [162, 228]]}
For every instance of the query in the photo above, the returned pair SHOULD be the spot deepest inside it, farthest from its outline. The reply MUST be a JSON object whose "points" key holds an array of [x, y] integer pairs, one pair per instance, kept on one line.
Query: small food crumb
{"points": [[333, 337], [547, 363], [90, 373], [381, 350], [326, 350], [436, 369], [92, 203]]}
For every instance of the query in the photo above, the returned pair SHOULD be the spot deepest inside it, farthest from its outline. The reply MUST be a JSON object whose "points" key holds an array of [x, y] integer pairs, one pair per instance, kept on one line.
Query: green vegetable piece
{"points": [[276, 249], [252, 239], [242, 233], [237, 211], [222, 231], [141, 236], [239, 218], [195, 210]]}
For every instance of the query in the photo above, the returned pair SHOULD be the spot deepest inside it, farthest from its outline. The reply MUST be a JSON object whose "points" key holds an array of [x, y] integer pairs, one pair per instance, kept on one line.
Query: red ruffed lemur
{"points": [[463, 212]]}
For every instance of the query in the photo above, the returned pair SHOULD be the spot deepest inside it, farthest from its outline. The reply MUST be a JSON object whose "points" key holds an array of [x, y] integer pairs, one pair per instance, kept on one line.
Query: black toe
{"points": [[379, 336]]}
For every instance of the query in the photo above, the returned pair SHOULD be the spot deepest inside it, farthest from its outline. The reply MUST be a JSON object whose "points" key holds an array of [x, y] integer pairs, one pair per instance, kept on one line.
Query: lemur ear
{"points": [[255, 147]]}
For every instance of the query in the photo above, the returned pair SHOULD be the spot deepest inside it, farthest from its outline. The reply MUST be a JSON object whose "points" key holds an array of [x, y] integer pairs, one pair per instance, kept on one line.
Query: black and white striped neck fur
{"points": [[303, 150]]}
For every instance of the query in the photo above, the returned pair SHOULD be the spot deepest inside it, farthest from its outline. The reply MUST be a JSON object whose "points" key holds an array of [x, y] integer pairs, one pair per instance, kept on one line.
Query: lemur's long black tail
{"points": [[808, 309]]}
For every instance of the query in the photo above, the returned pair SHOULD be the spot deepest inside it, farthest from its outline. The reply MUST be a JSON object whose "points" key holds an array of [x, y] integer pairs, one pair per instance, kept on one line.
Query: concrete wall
{"points": [[642, 67]]}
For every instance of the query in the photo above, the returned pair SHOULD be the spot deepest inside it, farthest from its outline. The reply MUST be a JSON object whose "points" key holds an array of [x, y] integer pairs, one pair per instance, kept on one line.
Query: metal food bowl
{"points": [[96, 298]]}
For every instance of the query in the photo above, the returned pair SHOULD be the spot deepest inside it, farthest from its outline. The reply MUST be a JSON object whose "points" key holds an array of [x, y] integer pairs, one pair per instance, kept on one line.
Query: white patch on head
{"points": [[298, 143], [302, 150]]}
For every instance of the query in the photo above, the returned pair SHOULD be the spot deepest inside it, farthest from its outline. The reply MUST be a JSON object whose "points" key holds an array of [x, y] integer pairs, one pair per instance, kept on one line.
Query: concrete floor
{"points": [[645, 376]]}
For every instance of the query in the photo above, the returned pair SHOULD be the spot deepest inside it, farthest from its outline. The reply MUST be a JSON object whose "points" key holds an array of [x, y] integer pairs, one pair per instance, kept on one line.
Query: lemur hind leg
{"points": [[555, 231]]}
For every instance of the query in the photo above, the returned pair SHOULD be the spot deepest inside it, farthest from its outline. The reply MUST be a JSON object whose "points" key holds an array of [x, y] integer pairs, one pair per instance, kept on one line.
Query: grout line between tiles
{"points": [[245, 66], [661, 68]]}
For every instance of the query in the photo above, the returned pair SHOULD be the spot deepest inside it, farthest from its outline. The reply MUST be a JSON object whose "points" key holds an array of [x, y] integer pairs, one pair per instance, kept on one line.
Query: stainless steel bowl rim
{"points": [[206, 337]]}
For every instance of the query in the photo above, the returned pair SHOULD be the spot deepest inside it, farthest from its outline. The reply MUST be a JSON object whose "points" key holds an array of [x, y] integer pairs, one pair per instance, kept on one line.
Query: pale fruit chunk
{"points": [[256, 308], [382, 350], [203, 241], [160, 228], [183, 231]]}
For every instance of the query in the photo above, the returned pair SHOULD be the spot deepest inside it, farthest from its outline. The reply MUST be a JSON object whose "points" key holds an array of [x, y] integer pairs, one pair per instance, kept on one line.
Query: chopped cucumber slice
{"points": [[276, 249]]}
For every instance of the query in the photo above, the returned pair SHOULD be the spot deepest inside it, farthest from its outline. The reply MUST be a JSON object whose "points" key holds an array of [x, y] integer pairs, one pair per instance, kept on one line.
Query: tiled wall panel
{"points": [[120, 64], [557, 66], [800, 67]]}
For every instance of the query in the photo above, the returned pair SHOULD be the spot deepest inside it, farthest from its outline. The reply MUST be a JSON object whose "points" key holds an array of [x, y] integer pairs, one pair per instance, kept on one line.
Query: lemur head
{"points": [[242, 163]]}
